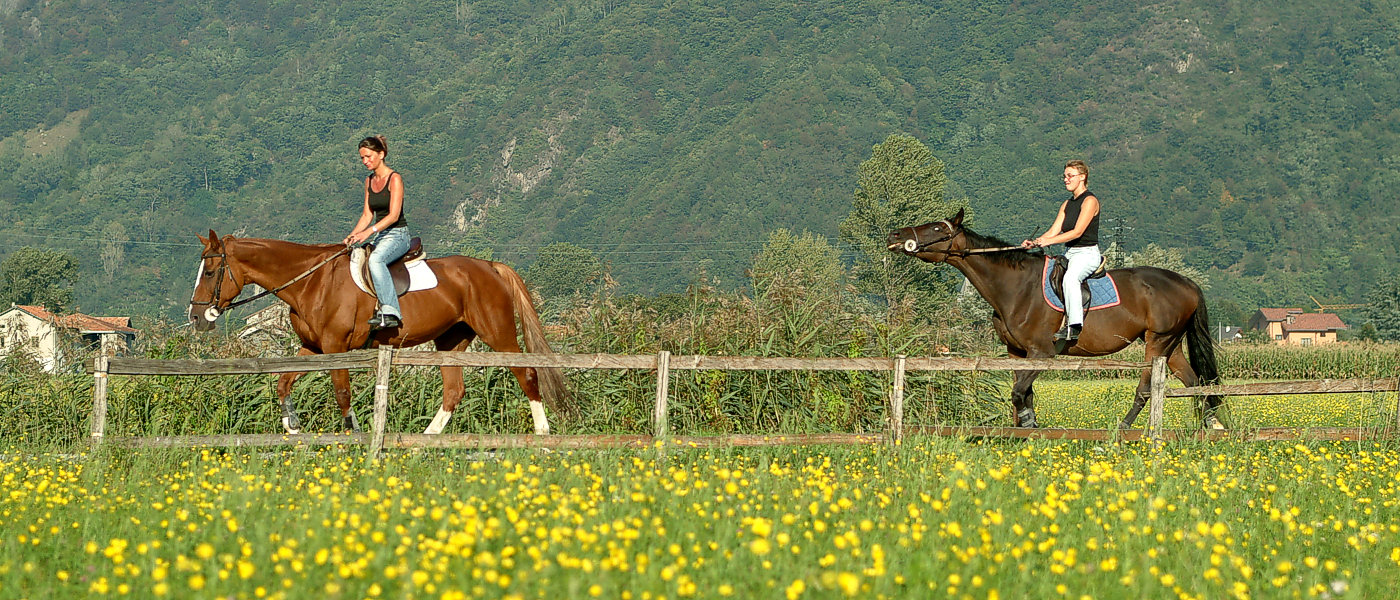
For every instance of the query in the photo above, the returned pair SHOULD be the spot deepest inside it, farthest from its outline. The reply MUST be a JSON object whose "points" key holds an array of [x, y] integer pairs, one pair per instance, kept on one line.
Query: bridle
{"points": [[913, 245], [214, 311]]}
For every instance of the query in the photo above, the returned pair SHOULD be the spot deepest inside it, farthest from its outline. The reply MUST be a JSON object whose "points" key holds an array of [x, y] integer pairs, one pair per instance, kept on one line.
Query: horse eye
{"points": [[209, 273]]}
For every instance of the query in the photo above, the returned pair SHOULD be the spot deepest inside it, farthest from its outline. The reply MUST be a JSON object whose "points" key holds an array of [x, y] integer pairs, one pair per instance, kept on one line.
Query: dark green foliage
{"points": [[1254, 137], [39, 277], [1382, 309], [563, 269], [900, 185]]}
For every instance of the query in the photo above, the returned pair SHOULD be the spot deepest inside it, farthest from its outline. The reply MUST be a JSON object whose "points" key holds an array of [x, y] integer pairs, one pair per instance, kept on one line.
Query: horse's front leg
{"points": [[340, 380], [290, 421], [1023, 399]]}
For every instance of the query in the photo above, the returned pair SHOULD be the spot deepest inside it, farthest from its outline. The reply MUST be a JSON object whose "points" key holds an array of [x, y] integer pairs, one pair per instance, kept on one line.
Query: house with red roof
{"points": [[1296, 327], [49, 337]]}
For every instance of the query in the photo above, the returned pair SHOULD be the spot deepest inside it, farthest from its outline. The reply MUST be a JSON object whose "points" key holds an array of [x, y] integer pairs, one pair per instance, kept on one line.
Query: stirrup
{"points": [[1070, 333], [385, 321]]}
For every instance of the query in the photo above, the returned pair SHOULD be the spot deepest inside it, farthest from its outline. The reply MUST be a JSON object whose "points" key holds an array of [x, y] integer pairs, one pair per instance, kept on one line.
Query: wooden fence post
{"points": [[381, 400], [897, 402], [1397, 404], [660, 424], [1158, 400], [99, 398]]}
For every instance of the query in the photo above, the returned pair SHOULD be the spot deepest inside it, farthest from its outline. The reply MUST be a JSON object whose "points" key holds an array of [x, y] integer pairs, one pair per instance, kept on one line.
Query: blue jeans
{"points": [[1082, 262], [388, 246]]}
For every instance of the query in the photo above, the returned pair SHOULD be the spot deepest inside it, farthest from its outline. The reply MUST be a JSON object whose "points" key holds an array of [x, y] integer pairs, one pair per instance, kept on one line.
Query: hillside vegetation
{"points": [[670, 137]]}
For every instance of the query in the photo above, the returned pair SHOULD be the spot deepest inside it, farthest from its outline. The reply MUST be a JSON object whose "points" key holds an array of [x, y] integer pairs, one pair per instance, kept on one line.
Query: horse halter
{"points": [[913, 245]]}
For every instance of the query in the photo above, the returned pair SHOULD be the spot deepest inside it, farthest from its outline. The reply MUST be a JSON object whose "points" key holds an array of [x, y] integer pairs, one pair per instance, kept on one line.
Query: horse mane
{"points": [[1011, 258]]}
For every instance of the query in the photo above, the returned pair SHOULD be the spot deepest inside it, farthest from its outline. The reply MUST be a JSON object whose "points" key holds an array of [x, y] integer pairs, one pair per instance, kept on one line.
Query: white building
{"points": [[50, 338]]}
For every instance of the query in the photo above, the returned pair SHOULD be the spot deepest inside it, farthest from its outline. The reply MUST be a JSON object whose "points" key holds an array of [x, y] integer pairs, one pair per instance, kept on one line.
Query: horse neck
{"points": [[1002, 285], [271, 263]]}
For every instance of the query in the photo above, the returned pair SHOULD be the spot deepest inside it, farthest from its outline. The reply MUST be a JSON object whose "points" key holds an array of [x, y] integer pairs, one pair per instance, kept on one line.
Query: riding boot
{"points": [[1070, 333]]}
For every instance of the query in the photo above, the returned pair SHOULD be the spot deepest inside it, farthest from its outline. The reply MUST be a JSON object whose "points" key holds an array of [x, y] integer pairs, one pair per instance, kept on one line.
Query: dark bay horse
{"points": [[1158, 306], [329, 313]]}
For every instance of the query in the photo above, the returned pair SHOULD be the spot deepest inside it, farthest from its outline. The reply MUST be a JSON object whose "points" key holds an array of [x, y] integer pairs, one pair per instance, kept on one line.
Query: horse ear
{"points": [[958, 218], [213, 239]]}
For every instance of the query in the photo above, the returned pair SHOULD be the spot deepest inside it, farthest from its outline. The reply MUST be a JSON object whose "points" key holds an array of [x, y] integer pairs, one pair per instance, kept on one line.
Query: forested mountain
{"points": [[671, 137]]}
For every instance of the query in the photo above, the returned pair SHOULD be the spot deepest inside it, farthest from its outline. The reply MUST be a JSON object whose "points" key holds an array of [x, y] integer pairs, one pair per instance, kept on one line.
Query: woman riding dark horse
{"points": [[1158, 306]]}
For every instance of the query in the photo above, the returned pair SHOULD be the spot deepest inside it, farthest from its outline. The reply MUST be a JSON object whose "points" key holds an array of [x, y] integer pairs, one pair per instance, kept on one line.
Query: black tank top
{"points": [[1091, 233], [379, 201]]}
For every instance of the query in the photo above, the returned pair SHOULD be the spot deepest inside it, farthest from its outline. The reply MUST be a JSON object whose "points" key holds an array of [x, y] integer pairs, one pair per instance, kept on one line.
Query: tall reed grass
{"points": [[53, 408]]}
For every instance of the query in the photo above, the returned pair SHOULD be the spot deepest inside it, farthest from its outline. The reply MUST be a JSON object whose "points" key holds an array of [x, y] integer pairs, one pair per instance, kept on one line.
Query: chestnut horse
{"points": [[329, 313], [1158, 306]]}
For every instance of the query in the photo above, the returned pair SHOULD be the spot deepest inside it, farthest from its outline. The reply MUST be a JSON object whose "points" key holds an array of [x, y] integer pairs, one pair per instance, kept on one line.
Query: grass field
{"points": [[930, 518]]}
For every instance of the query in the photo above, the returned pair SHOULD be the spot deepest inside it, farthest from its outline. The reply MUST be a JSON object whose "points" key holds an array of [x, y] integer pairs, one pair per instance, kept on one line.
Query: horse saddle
{"points": [[1057, 277], [410, 271]]}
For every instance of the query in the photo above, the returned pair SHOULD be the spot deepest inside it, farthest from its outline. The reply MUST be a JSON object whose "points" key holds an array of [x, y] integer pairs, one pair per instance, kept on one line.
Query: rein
{"points": [[223, 267]]}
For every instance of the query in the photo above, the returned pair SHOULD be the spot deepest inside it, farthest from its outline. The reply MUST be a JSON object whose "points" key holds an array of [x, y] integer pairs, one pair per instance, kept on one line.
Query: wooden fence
{"points": [[385, 358]]}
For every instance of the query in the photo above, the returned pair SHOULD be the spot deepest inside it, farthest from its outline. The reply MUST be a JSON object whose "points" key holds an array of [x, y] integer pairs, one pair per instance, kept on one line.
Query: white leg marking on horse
{"points": [[541, 422], [439, 422]]}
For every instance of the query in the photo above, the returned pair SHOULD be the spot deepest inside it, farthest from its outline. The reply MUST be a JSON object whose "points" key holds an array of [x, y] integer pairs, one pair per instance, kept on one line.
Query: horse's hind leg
{"points": [[456, 339], [290, 421], [1156, 345], [501, 338], [1207, 408], [340, 380]]}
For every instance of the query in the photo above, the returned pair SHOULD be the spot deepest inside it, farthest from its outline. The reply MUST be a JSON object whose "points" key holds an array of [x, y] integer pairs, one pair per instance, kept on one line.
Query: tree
{"points": [[1383, 308], [38, 277], [802, 268], [114, 241], [1171, 259], [899, 186], [563, 269]]}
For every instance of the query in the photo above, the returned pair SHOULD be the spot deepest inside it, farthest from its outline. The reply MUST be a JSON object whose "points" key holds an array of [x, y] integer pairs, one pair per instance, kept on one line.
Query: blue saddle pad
{"points": [[1103, 291]]}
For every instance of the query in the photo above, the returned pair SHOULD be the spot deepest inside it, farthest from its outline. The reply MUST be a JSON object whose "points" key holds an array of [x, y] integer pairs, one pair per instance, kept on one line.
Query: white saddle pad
{"points": [[420, 275]]}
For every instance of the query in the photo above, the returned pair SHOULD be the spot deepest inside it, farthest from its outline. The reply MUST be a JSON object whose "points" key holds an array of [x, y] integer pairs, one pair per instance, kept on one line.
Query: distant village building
{"points": [[268, 323], [1293, 326], [51, 339], [1226, 334]]}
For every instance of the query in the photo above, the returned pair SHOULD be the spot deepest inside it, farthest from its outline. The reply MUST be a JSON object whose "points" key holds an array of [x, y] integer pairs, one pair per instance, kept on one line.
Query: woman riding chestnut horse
{"points": [[1158, 306], [472, 298]]}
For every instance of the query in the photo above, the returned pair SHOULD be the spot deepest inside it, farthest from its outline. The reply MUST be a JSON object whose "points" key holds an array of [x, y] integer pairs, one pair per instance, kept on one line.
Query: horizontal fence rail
{"points": [[365, 359], [1320, 386], [383, 359]]}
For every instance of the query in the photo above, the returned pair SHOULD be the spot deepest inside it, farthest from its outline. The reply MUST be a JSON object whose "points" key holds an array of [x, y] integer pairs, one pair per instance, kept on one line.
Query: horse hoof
{"points": [[1214, 423], [292, 424]]}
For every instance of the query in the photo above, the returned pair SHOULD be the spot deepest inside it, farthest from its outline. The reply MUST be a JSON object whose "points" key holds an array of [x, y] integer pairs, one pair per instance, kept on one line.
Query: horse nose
{"points": [[894, 239]]}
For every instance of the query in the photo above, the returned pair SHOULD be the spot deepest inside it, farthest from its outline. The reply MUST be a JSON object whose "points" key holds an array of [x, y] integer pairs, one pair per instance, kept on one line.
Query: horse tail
{"points": [[551, 379], [1201, 350]]}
